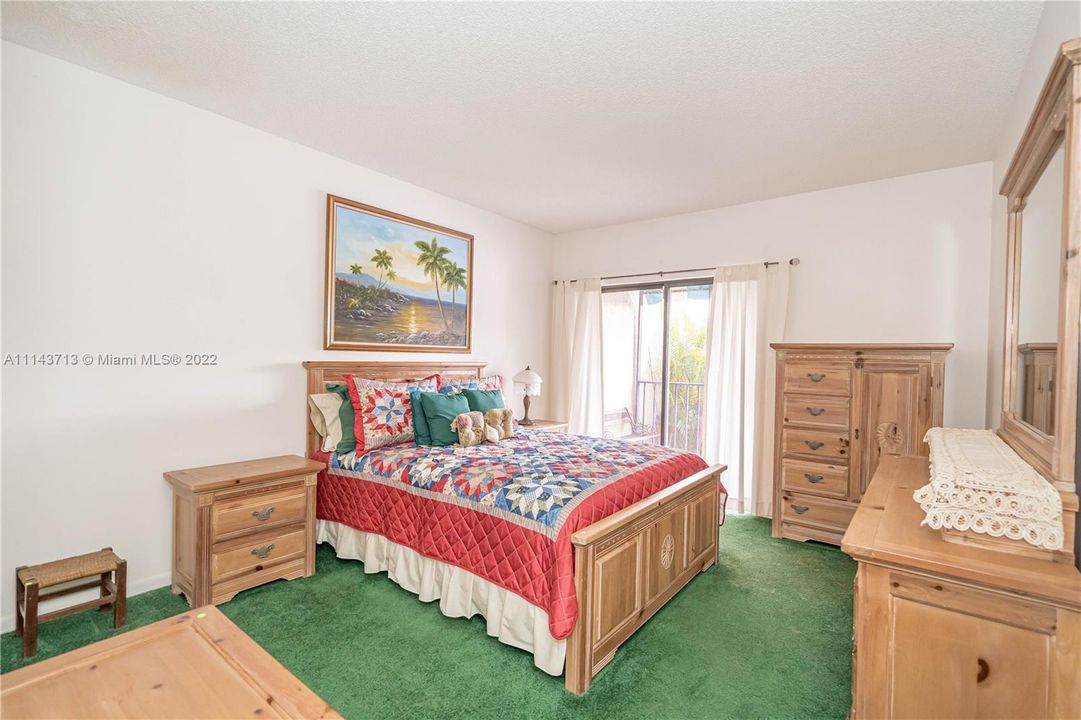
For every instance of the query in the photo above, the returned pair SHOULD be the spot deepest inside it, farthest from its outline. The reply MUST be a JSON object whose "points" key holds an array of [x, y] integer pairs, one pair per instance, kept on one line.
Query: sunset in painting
{"points": [[397, 283]]}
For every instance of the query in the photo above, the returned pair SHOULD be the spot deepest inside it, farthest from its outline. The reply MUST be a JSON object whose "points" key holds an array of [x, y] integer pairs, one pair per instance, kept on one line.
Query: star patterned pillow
{"points": [[386, 418], [383, 414]]}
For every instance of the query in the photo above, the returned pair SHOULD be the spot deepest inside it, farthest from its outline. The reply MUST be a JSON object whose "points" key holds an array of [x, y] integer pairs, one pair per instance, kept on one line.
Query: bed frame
{"points": [[626, 566]]}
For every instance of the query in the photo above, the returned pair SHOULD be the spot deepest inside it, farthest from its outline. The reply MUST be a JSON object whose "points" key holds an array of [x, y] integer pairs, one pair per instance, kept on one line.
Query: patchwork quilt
{"points": [[504, 512]]}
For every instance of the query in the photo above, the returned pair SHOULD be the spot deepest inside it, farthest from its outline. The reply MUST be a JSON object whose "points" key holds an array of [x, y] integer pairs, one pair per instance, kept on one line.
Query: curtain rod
{"points": [[662, 273]]}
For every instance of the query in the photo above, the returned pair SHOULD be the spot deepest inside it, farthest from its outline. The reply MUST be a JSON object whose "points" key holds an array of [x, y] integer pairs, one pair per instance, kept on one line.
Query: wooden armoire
{"points": [[1037, 381], [840, 407]]}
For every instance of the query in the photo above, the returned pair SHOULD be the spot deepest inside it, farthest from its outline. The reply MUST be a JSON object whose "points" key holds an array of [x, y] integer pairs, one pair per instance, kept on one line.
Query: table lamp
{"points": [[531, 385]]}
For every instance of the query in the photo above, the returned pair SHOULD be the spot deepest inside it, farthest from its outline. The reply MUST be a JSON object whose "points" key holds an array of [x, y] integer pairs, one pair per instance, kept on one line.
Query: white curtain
{"points": [[576, 363], [748, 308]]}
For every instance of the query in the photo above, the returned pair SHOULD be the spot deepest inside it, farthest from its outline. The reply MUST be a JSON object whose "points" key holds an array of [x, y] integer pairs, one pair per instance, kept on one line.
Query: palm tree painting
{"points": [[454, 278], [384, 262], [417, 295], [433, 258]]}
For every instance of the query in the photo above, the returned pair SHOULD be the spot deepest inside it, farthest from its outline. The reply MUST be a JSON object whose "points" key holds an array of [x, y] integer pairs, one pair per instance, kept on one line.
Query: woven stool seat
{"points": [[110, 579], [68, 569]]}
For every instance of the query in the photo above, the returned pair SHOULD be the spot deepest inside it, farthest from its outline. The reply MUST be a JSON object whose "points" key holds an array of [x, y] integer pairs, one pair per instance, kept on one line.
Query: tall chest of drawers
{"points": [[840, 407]]}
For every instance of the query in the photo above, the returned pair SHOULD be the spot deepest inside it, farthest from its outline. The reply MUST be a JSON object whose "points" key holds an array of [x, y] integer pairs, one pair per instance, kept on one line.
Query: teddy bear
{"points": [[470, 428], [502, 421]]}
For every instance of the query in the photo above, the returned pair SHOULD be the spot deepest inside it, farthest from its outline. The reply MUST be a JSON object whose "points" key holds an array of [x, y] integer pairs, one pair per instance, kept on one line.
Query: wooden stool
{"points": [[30, 581]]}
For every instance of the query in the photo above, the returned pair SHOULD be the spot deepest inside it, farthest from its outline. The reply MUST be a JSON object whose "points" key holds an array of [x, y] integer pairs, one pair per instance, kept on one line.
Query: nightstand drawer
{"points": [[252, 512], [255, 553]]}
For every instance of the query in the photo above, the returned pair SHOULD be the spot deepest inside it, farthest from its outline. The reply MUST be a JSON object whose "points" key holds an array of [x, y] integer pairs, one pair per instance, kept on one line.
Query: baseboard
{"points": [[7, 622]]}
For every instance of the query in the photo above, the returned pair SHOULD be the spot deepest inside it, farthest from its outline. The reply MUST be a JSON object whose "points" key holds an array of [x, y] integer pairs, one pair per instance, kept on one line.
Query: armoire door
{"points": [[894, 407]]}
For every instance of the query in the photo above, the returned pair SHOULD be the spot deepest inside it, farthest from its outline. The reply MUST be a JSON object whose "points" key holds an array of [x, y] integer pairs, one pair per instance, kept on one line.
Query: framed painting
{"points": [[395, 283]]}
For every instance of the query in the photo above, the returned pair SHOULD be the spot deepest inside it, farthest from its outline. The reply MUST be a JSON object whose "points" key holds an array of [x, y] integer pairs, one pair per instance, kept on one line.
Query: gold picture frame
{"points": [[395, 283]]}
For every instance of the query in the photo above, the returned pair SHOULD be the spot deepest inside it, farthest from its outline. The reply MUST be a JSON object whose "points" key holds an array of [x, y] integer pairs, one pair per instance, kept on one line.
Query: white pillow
{"points": [[324, 413]]}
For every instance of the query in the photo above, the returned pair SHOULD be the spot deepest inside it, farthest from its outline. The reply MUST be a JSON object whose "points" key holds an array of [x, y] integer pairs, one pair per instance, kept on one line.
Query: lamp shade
{"points": [[528, 377], [529, 380]]}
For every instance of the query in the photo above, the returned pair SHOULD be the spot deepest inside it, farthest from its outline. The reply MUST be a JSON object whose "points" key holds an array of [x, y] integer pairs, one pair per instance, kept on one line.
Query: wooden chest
{"points": [[242, 524], [839, 409]]}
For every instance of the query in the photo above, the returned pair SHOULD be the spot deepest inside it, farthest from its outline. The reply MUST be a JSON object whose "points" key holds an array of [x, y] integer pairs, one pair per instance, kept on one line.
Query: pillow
{"points": [[453, 385], [384, 417], [357, 387], [346, 418], [440, 411], [420, 421], [484, 400], [324, 409]]}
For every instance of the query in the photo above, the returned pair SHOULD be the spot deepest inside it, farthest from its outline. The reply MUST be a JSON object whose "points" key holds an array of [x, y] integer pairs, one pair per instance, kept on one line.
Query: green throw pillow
{"points": [[440, 411], [348, 443], [420, 421], [484, 400]]}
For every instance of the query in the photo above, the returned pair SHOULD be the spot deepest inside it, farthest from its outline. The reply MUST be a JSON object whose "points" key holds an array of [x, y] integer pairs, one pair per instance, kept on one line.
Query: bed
{"points": [[565, 544]]}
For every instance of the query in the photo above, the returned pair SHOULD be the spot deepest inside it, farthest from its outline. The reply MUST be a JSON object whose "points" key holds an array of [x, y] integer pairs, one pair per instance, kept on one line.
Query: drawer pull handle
{"points": [[985, 670], [800, 509], [263, 515], [813, 444], [816, 411], [816, 377], [813, 479], [262, 552]]}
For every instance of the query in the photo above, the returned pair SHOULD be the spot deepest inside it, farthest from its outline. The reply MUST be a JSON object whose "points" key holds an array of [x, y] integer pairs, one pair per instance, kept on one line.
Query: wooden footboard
{"points": [[627, 566]]}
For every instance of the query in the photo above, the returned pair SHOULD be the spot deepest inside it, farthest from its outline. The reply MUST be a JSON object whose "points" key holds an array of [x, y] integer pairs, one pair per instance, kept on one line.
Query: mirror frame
{"points": [[1056, 118]]}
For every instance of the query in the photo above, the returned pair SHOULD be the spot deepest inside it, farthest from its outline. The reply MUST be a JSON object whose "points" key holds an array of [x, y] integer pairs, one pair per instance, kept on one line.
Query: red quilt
{"points": [[503, 512]]}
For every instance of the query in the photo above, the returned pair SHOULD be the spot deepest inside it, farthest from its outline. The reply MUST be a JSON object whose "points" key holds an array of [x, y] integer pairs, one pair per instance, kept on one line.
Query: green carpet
{"points": [[767, 633]]}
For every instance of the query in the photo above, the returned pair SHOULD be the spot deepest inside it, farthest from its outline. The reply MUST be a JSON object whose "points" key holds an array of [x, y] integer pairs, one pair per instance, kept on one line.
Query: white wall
{"points": [[1060, 21], [898, 260], [134, 223]]}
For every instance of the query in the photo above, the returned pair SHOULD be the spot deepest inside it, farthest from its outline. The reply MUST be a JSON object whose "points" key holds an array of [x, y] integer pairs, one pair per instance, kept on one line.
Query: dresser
{"points": [[950, 630], [840, 409], [194, 665], [242, 524]]}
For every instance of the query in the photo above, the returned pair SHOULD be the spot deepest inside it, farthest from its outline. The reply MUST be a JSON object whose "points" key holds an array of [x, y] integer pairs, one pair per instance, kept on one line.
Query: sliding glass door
{"points": [[633, 324], [655, 362]]}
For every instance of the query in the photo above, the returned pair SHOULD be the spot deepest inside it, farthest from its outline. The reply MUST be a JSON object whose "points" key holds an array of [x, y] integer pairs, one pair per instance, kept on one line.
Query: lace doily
{"points": [[979, 484]]}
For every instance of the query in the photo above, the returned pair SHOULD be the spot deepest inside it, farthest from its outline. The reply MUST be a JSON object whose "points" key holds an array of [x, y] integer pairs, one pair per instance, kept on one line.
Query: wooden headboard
{"points": [[320, 373]]}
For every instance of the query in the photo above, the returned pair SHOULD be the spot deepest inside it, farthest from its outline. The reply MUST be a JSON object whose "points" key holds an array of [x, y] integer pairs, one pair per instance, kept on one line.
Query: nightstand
{"points": [[242, 524], [550, 425]]}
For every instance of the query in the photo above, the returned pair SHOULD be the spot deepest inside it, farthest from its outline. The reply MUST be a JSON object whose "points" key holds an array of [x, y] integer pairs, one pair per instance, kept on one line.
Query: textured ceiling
{"points": [[567, 116]]}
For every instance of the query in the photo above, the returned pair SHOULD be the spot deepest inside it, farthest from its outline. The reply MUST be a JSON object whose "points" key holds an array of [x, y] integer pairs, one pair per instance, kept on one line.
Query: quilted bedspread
{"points": [[504, 512]]}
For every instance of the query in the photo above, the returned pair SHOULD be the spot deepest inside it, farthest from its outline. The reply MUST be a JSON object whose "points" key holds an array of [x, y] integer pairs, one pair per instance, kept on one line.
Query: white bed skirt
{"points": [[510, 618]]}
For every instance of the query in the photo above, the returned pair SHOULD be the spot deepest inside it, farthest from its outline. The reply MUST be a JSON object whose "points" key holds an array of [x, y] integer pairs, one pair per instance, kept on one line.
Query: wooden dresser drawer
{"points": [[255, 511], [255, 552], [817, 443], [816, 512], [817, 378], [816, 411], [816, 478]]}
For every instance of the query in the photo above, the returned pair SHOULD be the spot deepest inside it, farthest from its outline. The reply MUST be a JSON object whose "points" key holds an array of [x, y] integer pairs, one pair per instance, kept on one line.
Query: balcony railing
{"points": [[643, 420]]}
